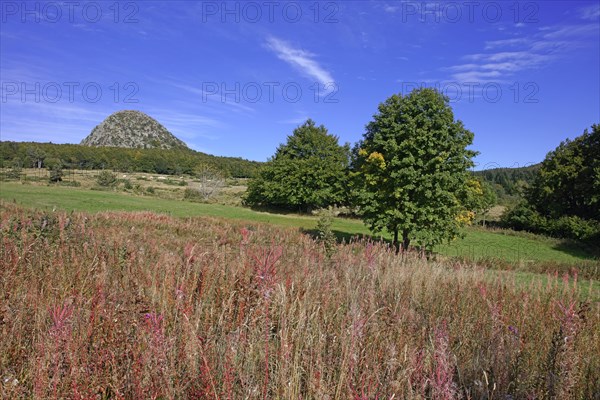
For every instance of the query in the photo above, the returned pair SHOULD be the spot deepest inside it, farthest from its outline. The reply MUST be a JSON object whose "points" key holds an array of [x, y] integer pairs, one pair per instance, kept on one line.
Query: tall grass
{"points": [[145, 306]]}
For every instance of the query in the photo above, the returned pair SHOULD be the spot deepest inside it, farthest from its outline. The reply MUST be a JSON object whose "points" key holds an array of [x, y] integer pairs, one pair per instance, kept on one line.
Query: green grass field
{"points": [[478, 243]]}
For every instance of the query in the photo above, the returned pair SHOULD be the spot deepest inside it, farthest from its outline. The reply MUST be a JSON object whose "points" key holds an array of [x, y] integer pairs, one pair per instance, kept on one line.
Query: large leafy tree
{"points": [[307, 172], [568, 181], [411, 169]]}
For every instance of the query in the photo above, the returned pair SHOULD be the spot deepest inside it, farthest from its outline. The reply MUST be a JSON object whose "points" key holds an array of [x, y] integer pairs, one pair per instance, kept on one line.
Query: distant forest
{"points": [[509, 183], [73, 156]]}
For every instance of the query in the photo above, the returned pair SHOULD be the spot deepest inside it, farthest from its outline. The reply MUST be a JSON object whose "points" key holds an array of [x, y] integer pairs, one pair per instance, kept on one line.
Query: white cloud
{"points": [[510, 60], [477, 76], [591, 12], [509, 56], [572, 31], [301, 60], [505, 42]]}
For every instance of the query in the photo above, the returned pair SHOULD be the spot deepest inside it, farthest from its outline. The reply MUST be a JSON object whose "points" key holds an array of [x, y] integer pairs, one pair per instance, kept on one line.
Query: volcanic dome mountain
{"points": [[132, 129]]}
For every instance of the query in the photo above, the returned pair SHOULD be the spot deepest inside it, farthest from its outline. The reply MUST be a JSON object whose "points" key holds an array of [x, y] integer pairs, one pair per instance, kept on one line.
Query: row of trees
{"points": [[409, 175], [70, 156]]}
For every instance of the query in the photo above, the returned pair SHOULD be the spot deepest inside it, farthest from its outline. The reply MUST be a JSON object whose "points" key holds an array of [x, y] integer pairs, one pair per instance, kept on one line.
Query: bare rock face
{"points": [[132, 129]]}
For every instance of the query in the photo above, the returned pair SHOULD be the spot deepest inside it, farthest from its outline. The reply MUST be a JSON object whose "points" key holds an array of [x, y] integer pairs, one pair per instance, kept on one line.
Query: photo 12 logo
{"points": [[490, 92], [519, 12], [269, 11], [69, 11], [54, 92], [254, 92]]}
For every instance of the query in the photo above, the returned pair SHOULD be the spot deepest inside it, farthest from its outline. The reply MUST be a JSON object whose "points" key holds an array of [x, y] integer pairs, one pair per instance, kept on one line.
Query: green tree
{"points": [[410, 169], [308, 172], [36, 155], [55, 168], [568, 181], [489, 199]]}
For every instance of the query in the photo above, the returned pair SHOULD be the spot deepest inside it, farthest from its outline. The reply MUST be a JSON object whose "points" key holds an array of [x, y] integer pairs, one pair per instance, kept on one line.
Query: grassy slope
{"points": [[477, 243]]}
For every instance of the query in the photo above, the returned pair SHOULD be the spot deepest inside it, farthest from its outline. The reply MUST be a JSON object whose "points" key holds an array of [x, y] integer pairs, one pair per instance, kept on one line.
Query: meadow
{"points": [[112, 294], [502, 249], [145, 305]]}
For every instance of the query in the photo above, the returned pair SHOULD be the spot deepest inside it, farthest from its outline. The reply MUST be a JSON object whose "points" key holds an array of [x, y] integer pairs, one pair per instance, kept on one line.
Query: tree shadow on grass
{"points": [[281, 211], [581, 250], [346, 237]]}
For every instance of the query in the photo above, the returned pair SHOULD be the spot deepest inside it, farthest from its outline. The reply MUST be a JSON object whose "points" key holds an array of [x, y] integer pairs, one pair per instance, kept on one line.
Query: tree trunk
{"points": [[405, 241], [396, 243]]}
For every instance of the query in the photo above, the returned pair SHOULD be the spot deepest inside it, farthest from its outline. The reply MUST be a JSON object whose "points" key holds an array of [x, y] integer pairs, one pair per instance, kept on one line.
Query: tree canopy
{"points": [[309, 171], [564, 198], [568, 181], [410, 169]]}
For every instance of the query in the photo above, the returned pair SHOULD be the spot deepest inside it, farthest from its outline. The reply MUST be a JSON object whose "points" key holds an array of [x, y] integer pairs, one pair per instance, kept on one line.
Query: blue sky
{"points": [[236, 78]]}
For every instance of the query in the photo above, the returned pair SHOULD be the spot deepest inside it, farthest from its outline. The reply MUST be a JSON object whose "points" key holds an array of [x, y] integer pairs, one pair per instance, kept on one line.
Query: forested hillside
{"points": [[509, 183], [160, 161]]}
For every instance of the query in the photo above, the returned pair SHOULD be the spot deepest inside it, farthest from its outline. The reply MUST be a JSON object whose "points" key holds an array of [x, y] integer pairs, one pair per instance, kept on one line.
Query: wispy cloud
{"points": [[301, 60], [477, 76], [493, 44], [213, 97], [390, 9], [509, 56], [591, 12], [571, 31]]}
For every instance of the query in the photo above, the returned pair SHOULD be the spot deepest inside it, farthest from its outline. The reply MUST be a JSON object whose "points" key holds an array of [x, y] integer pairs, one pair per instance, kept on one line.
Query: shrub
{"points": [[55, 168], [573, 227], [106, 179], [192, 194], [324, 233], [179, 182], [56, 175], [70, 183], [524, 218], [13, 173]]}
